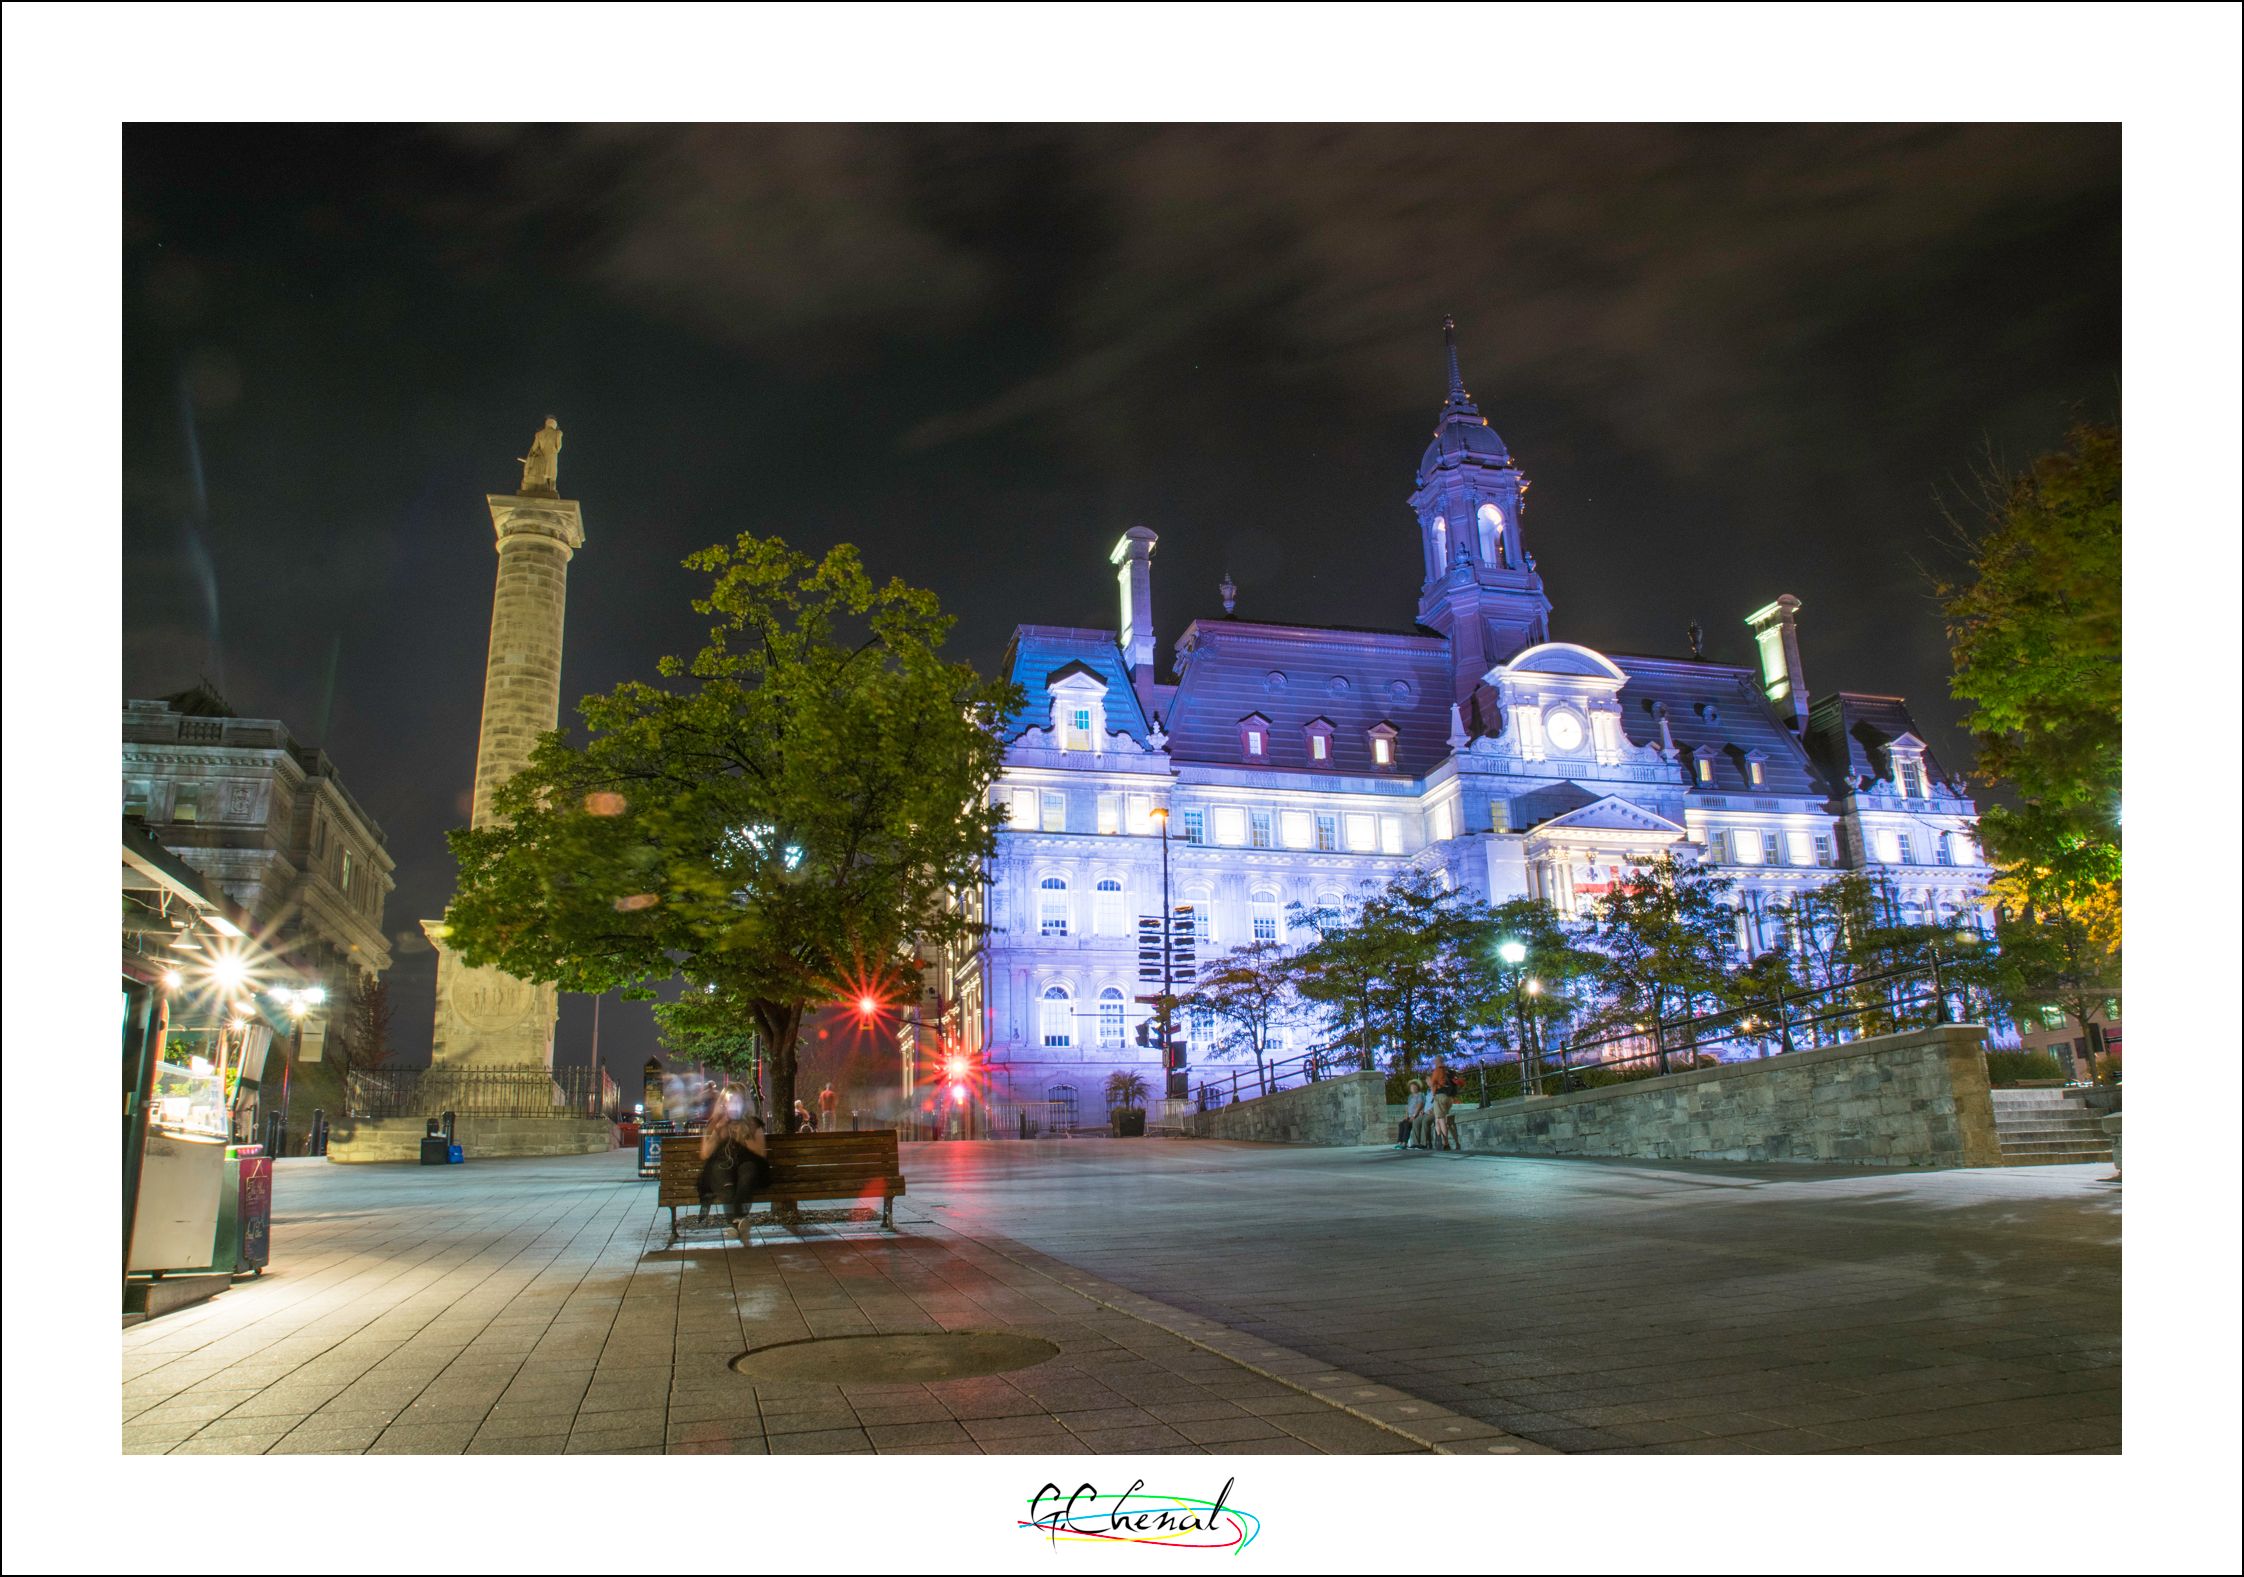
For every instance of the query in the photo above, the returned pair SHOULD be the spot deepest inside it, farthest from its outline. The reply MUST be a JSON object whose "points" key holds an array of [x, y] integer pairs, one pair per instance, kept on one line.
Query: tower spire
{"points": [[1456, 375]]}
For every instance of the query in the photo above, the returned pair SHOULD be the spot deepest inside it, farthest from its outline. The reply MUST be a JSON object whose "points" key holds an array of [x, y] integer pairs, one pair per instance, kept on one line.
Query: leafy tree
{"points": [[1553, 982], [2034, 630], [775, 818], [1246, 994], [1664, 940], [1408, 970], [705, 1026], [1337, 973]]}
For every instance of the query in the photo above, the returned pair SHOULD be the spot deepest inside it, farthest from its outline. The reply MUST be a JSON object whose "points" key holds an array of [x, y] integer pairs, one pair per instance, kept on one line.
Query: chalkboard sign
{"points": [[256, 1210]]}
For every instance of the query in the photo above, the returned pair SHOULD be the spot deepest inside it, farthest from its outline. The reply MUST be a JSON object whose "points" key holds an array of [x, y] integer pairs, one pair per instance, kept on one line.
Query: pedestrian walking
{"points": [[1406, 1131], [828, 1109], [735, 1158]]}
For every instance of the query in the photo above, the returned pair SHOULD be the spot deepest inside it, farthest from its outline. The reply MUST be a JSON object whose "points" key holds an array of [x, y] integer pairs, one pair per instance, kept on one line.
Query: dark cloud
{"points": [[1734, 360]]}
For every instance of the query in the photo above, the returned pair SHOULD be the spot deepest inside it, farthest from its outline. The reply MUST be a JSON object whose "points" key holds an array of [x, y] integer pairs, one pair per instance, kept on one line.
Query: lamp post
{"points": [[1170, 1077], [1514, 953]]}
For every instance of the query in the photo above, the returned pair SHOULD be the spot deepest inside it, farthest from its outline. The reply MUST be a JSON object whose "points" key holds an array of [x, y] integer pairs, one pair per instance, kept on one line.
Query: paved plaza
{"points": [[1203, 1296]]}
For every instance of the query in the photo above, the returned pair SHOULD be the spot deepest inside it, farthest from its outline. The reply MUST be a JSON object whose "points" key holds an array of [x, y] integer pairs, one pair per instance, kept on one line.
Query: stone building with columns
{"points": [[1301, 766]]}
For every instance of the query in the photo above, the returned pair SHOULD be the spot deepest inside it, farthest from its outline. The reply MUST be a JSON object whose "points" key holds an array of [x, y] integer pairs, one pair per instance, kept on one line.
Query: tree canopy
{"points": [[774, 817]]}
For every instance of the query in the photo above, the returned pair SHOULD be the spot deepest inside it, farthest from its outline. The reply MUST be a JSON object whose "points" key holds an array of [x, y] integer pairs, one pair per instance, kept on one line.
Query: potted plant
{"points": [[1125, 1099]]}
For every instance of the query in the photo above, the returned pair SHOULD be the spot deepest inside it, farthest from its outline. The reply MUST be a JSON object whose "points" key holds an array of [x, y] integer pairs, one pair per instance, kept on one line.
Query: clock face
{"points": [[1565, 729]]}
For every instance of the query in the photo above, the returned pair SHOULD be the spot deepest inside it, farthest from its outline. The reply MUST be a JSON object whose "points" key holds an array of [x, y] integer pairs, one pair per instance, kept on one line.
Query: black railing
{"points": [[531, 1091], [1868, 1005]]}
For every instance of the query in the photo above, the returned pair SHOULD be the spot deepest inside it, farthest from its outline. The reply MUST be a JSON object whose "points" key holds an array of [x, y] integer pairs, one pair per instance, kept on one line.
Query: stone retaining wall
{"points": [[480, 1138], [1348, 1109], [1918, 1098]]}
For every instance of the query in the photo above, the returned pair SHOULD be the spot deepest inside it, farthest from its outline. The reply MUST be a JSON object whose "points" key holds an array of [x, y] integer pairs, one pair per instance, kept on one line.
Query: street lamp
{"points": [[1514, 952]]}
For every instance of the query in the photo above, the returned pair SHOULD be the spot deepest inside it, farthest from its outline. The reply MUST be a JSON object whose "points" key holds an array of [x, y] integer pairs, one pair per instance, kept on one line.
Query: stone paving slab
{"points": [[1606, 1305], [528, 1307]]}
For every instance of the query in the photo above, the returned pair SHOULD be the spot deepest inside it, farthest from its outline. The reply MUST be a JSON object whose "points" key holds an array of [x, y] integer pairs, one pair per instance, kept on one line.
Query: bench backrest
{"points": [[800, 1163]]}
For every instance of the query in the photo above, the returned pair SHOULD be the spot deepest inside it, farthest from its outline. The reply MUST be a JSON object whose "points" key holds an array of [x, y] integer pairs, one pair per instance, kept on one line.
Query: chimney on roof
{"points": [[1776, 633], [1133, 558]]}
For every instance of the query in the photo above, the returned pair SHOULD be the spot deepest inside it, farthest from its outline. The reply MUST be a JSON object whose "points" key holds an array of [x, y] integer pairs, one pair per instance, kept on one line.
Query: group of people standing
{"points": [[1427, 1123]]}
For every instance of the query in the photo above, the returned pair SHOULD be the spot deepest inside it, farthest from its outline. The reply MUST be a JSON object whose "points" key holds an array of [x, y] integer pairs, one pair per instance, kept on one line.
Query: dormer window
{"points": [[1316, 734], [1078, 708], [1382, 738], [1254, 737], [1754, 773], [1703, 764], [1079, 728]]}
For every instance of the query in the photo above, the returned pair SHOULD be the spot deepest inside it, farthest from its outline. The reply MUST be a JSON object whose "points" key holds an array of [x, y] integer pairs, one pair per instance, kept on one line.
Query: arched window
{"points": [[1110, 906], [1263, 907], [1110, 1017], [1203, 914], [1059, 1017], [1491, 534], [1441, 543], [1052, 912]]}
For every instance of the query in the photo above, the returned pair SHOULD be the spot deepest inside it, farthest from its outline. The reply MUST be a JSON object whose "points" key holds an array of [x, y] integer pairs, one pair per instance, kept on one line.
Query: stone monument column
{"points": [[484, 1018]]}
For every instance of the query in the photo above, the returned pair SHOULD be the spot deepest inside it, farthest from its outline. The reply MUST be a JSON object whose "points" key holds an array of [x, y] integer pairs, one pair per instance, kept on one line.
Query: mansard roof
{"points": [[1848, 732], [1295, 674], [1717, 707], [1040, 653]]}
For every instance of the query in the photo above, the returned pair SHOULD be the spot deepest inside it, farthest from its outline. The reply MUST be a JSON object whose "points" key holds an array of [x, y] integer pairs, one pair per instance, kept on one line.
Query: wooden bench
{"points": [[855, 1166]]}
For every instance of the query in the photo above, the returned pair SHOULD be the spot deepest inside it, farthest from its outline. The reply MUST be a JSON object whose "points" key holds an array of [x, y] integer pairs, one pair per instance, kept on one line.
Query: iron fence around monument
{"points": [[532, 1091]]}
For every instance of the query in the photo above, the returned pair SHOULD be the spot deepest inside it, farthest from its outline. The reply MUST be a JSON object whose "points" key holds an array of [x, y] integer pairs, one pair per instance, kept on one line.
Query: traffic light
{"points": [[1148, 1029]]}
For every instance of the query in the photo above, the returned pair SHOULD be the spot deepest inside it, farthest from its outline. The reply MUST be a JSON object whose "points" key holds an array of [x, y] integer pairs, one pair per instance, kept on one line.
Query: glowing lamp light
{"points": [[228, 971], [954, 1067], [958, 1094], [171, 980], [1512, 952], [868, 1006], [604, 802], [315, 995], [1534, 988]]}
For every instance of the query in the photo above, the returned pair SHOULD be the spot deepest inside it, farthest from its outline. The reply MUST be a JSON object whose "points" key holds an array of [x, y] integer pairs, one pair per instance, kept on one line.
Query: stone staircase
{"points": [[2042, 1128]]}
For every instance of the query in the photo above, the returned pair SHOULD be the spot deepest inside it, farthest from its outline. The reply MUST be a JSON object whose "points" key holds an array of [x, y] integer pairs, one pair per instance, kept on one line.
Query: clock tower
{"points": [[1481, 589]]}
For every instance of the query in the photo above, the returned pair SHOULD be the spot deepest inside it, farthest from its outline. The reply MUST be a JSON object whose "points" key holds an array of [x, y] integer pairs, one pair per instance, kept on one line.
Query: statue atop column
{"points": [[541, 467]]}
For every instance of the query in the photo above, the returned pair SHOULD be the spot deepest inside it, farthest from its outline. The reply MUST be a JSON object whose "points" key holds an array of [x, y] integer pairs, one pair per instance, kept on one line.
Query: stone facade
{"points": [[1349, 1109], [268, 820], [1289, 768], [1918, 1098], [485, 1018], [364, 1139]]}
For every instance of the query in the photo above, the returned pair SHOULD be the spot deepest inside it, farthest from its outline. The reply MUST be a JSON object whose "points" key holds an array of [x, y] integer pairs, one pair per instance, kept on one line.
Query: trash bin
{"points": [[436, 1150]]}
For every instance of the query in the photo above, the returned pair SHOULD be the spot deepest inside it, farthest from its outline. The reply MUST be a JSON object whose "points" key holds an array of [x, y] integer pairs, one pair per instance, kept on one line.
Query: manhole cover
{"points": [[911, 1355]]}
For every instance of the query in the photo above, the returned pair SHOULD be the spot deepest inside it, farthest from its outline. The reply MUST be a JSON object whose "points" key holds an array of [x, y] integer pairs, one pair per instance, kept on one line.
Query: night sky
{"points": [[1734, 361]]}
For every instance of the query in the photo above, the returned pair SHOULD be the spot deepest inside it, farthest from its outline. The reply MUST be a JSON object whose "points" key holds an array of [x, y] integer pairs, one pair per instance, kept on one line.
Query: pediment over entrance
{"points": [[1612, 814]]}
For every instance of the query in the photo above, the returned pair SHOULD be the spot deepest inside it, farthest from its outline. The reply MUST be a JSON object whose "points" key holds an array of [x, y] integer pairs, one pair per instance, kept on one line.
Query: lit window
{"points": [[1195, 826], [1052, 909], [1254, 741], [1258, 829], [1328, 831], [1363, 832], [1706, 769], [1059, 1017], [1110, 813], [1440, 832], [1230, 825], [346, 870], [1802, 848], [1390, 835], [1141, 813], [1318, 746], [1753, 771], [1716, 844], [1110, 1017], [1491, 535], [1441, 543], [1888, 844], [1024, 808], [1294, 825], [187, 802], [1263, 907], [1383, 751], [1079, 728], [1110, 906], [1055, 811], [1966, 854]]}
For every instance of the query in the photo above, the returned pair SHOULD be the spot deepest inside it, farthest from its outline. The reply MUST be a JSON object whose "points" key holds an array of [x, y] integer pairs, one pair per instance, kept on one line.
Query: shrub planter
{"points": [[1129, 1123]]}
